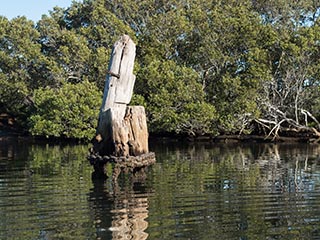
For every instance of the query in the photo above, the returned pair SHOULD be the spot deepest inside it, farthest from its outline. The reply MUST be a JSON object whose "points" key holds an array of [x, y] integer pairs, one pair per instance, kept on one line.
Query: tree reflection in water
{"points": [[194, 191], [269, 191], [285, 169]]}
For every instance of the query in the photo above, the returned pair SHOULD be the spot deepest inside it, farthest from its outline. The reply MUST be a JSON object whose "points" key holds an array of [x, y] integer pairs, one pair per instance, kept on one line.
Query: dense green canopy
{"points": [[202, 66]]}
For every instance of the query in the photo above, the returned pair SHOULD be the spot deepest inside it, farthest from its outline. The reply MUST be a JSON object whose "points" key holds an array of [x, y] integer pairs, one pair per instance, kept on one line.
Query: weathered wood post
{"points": [[122, 133]]}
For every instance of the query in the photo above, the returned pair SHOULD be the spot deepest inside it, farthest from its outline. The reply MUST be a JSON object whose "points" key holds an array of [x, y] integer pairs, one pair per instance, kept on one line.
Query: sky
{"points": [[32, 9]]}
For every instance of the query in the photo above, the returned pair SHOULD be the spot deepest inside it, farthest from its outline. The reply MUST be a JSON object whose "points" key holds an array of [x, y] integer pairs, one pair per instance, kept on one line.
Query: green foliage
{"points": [[202, 66], [98, 29], [20, 64], [175, 100], [70, 111], [138, 100]]}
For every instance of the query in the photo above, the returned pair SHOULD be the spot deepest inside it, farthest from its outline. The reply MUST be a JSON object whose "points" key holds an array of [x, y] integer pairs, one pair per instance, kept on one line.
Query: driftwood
{"points": [[122, 130]]}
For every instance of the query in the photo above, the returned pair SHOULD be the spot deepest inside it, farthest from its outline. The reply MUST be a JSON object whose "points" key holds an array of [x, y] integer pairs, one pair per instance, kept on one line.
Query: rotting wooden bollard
{"points": [[122, 130]]}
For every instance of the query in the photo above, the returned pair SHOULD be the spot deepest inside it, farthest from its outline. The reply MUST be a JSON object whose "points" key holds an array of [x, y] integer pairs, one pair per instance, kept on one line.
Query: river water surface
{"points": [[194, 191]]}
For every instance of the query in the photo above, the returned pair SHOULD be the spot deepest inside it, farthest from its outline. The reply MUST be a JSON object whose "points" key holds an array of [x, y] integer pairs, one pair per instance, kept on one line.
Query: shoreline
{"points": [[234, 138], [10, 134]]}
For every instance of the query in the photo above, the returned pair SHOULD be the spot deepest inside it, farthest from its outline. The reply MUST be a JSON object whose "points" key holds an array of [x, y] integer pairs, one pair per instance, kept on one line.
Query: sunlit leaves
{"points": [[20, 63], [175, 100], [225, 59], [71, 111]]}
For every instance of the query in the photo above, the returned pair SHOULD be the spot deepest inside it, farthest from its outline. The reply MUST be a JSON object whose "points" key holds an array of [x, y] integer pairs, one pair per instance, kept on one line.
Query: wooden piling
{"points": [[122, 130]]}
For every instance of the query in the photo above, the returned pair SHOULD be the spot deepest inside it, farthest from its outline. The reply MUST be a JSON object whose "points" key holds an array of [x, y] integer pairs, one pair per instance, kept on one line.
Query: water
{"points": [[194, 191]]}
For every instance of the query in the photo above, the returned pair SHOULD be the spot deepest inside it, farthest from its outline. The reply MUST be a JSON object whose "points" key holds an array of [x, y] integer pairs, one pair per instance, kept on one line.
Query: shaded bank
{"points": [[288, 137], [7, 133]]}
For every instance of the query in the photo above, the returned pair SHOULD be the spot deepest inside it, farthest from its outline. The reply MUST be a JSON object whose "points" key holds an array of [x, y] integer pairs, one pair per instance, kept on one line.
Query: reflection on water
{"points": [[127, 211], [194, 191], [256, 191]]}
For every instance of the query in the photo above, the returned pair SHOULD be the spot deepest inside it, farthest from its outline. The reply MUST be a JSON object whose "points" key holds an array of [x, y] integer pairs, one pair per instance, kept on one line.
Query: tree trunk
{"points": [[129, 134], [122, 131]]}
